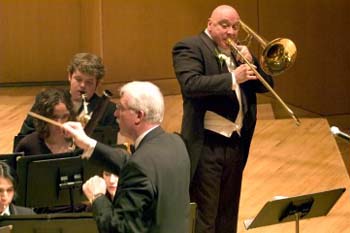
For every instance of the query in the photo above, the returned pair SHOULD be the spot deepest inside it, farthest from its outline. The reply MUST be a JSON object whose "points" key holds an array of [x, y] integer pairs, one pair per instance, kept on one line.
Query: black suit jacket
{"points": [[206, 85], [16, 210], [153, 185]]}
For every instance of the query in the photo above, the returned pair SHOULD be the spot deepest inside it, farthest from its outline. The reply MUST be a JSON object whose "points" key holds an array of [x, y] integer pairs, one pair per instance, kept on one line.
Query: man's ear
{"points": [[97, 83], [140, 116], [209, 23], [69, 77]]}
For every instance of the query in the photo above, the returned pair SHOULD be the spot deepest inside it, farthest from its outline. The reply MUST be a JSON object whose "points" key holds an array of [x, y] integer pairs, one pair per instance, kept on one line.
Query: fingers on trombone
{"points": [[251, 74], [253, 77], [249, 67], [254, 66]]}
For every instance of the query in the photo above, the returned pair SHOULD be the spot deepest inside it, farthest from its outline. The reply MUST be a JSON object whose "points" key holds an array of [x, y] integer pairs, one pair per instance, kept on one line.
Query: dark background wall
{"points": [[135, 38]]}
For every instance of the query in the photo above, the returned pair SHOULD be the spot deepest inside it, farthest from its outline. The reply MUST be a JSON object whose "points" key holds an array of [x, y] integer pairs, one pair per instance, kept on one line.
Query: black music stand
{"points": [[49, 223], [295, 209]]}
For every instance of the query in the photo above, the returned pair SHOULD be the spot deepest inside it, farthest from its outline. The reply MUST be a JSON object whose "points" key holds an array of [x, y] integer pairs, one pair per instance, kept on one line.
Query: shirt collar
{"points": [[139, 139], [227, 52], [6, 211], [207, 32]]}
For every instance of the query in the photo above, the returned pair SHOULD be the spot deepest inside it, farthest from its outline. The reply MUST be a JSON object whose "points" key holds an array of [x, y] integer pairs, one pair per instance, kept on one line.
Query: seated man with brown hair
{"points": [[85, 73]]}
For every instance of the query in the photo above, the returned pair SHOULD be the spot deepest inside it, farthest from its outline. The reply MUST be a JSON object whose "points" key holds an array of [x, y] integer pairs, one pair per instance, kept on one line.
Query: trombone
{"points": [[277, 56]]}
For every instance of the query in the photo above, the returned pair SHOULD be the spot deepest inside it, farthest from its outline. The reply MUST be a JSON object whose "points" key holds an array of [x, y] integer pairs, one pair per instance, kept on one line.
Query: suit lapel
{"points": [[209, 43], [244, 101], [13, 210]]}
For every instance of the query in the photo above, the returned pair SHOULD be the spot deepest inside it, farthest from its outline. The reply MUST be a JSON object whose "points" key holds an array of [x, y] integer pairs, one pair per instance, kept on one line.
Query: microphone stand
{"points": [[336, 132]]}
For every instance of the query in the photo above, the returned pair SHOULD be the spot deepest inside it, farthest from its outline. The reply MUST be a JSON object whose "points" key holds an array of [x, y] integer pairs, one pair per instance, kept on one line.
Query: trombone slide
{"points": [[263, 81]]}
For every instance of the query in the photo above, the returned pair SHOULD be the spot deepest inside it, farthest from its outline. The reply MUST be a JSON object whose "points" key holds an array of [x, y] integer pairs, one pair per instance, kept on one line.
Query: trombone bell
{"points": [[235, 49], [278, 56]]}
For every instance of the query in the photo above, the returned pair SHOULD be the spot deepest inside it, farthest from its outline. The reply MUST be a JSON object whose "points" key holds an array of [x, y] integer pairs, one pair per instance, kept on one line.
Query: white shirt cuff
{"points": [[234, 82], [88, 152]]}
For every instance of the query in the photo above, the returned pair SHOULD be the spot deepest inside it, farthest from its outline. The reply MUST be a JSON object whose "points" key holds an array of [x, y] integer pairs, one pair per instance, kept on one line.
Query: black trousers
{"points": [[216, 185]]}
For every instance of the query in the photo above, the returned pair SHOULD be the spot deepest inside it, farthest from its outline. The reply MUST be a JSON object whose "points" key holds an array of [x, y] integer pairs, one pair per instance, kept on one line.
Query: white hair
{"points": [[146, 97]]}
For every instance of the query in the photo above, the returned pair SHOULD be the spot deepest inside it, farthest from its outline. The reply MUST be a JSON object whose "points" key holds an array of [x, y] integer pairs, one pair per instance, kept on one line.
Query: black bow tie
{"points": [[132, 148]]}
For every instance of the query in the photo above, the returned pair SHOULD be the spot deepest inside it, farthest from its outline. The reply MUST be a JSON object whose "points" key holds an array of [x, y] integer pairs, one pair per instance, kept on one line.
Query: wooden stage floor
{"points": [[285, 160]]}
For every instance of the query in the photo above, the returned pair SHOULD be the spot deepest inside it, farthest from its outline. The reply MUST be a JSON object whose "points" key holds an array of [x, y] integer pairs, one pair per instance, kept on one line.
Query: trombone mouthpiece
{"points": [[229, 41], [83, 96]]}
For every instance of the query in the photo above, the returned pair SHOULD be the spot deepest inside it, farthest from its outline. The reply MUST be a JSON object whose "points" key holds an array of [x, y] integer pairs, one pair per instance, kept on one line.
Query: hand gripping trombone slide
{"points": [[235, 49]]}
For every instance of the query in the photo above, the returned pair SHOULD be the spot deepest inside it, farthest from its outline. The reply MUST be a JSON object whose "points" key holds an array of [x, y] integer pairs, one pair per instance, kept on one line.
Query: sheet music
{"points": [[6, 229]]}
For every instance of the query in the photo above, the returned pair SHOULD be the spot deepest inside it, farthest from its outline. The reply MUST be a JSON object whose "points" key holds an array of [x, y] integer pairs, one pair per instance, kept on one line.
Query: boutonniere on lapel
{"points": [[220, 56]]}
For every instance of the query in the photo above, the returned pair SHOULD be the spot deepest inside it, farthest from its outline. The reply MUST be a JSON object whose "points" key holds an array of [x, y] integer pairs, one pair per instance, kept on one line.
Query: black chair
{"points": [[11, 159], [16, 140]]}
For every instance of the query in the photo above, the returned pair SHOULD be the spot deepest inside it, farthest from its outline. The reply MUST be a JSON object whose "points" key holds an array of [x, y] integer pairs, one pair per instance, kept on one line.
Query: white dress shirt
{"points": [[217, 123], [6, 212]]}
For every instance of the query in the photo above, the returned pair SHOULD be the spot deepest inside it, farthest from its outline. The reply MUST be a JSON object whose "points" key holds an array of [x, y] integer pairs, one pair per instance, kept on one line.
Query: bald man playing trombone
{"points": [[219, 116]]}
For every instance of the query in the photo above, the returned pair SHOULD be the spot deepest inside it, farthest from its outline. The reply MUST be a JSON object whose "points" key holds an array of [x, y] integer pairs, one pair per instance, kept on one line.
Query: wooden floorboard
{"points": [[285, 160]]}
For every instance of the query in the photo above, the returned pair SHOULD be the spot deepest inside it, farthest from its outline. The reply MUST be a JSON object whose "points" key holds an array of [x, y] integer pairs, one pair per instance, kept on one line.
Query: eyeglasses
{"points": [[122, 108]]}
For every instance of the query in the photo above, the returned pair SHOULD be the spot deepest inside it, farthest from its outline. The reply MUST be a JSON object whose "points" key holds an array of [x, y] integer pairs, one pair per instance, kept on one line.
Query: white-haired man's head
{"points": [[146, 97]]}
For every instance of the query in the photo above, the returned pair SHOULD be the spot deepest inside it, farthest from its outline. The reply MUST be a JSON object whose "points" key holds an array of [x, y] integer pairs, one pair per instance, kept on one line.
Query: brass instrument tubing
{"points": [[263, 81], [85, 104]]}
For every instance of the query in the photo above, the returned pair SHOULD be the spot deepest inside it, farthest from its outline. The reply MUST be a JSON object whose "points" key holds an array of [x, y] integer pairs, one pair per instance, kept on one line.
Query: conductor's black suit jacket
{"points": [[152, 194], [206, 86]]}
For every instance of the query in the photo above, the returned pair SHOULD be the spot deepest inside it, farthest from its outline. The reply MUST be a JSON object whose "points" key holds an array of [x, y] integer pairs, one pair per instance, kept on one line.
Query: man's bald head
{"points": [[223, 24], [222, 11]]}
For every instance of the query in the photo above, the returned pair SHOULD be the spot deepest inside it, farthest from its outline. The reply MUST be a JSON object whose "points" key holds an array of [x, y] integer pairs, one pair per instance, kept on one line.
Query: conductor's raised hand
{"points": [[76, 130]]}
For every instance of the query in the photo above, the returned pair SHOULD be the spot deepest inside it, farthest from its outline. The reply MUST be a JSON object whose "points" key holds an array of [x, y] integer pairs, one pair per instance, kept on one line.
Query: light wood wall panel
{"points": [[139, 35], [91, 27], [319, 80], [135, 38], [37, 39]]}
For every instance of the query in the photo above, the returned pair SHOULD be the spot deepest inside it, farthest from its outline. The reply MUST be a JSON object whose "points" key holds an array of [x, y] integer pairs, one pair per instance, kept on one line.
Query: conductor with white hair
{"points": [[152, 194]]}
